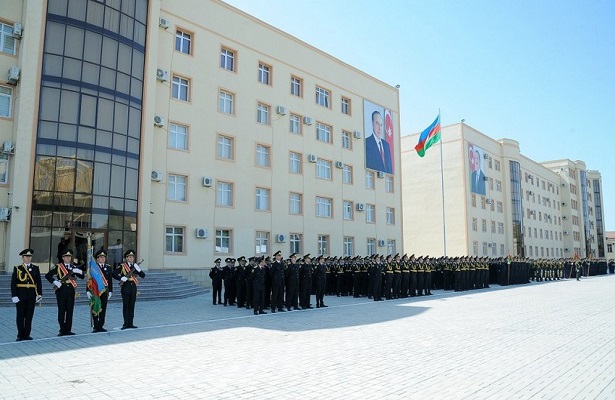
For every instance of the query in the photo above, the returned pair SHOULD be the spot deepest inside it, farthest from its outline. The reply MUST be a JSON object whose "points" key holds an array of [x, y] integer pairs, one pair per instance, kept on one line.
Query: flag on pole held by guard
{"points": [[429, 137], [96, 284]]}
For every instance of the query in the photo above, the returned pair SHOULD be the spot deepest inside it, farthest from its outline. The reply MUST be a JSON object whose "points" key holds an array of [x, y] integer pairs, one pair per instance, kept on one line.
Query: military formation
{"points": [[65, 278]]}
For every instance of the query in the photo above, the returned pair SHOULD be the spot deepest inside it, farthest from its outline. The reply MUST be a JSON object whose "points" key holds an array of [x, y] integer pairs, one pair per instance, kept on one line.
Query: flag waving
{"points": [[96, 284], [429, 137]]}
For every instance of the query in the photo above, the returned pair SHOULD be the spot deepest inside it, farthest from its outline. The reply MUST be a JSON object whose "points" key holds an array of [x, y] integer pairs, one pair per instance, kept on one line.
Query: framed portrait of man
{"points": [[379, 138]]}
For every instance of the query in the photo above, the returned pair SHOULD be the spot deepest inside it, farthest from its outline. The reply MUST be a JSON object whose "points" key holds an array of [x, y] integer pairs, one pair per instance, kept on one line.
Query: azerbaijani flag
{"points": [[96, 281], [429, 137]]}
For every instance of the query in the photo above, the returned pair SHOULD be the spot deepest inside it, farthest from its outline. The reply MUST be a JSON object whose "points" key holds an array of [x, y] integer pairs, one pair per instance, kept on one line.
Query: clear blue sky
{"points": [[539, 72]]}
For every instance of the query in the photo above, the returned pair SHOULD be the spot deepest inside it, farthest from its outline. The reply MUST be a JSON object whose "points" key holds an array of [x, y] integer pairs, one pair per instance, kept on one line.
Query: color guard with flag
{"points": [[99, 288]]}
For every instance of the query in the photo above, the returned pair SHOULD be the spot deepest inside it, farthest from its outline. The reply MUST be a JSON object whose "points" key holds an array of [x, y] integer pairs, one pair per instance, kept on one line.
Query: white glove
{"points": [[109, 296], [57, 283], [123, 279], [137, 268], [39, 298], [89, 295], [15, 299], [77, 271]]}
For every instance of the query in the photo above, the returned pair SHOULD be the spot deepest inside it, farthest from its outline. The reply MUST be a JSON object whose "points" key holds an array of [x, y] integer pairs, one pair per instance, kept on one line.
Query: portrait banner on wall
{"points": [[379, 130], [478, 184]]}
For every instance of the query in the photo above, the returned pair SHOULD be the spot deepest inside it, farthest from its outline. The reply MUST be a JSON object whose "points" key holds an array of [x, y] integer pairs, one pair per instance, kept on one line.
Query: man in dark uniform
{"points": [[104, 270], [26, 291], [292, 283], [216, 281], [305, 282], [376, 278], [227, 275], [240, 282], [249, 286], [321, 281], [277, 282], [62, 276], [126, 274], [258, 286]]}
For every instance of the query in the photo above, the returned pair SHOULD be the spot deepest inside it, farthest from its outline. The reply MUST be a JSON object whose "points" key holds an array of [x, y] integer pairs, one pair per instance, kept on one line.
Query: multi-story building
{"points": [[487, 199], [610, 245], [189, 131]]}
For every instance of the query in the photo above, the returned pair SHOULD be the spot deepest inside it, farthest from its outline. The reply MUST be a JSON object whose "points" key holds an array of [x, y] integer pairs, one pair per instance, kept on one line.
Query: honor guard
{"points": [[320, 274], [258, 286], [99, 286], [292, 283], [62, 276], [215, 274], [277, 282], [127, 273], [240, 282], [26, 291]]}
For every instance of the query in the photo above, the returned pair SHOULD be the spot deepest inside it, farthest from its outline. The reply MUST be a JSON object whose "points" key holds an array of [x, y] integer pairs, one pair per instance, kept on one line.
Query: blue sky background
{"points": [[539, 72]]}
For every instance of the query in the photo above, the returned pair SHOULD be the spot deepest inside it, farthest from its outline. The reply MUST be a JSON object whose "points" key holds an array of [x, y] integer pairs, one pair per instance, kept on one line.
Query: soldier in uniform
{"points": [[98, 320], [249, 284], [26, 291], [216, 281], [228, 273], [292, 283], [62, 276], [127, 273], [305, 282], [377, 269], [405, 277], [396, 276], [258, 286], [277, 282], [320, 275], [240, 282]]}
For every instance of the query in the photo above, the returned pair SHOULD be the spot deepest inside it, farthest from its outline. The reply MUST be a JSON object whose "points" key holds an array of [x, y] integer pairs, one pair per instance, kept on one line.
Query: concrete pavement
{"points": [[550, 340]]}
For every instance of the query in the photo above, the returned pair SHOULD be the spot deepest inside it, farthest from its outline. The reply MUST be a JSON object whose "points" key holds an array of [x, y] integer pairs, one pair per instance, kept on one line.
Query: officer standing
{"points": [[26, 291], [215, 274], [62, 276], [321, 281], [277, 282], [126, 274], [305, 282], [104, 270], [240, 282], [292, 283], [258, 286]]}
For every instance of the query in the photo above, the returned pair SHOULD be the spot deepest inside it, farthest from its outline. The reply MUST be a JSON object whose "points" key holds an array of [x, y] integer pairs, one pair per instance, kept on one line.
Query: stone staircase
{"points": [[155, 286]]}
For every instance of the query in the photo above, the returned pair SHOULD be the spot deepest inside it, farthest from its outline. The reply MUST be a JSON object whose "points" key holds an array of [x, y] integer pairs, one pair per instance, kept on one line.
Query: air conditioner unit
{"points": [[14, 75], [489, 201], [17, 30], [201, 233], [490, 245], [380, 174], [566, 233], [164, 23], [381, 243], [485, 156], [312, 158], [207, 181], [280, 110], [564, 217], [162, 75], [160, 120], [308, 120], [360, 207], [280, 238], [530, 176], [357, 135], [563, 185], [530, 192], [8, 147], [563, 203], [486, 178], [566, 249], [157, 176], [339, 164], [5, 214]]}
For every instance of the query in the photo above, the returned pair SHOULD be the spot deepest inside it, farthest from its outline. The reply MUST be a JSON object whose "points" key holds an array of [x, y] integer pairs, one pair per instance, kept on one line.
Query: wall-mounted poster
{"points": [[379, 138], [477, 169]]}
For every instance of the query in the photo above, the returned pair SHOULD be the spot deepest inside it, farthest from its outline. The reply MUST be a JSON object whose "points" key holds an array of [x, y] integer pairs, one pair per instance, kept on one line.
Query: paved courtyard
{"points": [[551, 340]]}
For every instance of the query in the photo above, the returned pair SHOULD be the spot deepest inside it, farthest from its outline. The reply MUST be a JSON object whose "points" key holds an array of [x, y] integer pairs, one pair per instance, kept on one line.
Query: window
{"points": [[347, 210], [223, 240], [295, 86], [224, 194], [225, 147], [484, 225], [324, 207], [390, 216], [323, 133], [391, 246], [226, 102], [6, 100], [370, 213], [498, 186], [474, 224], [322, 97], [294, 239], [262, 199], [497, 165], [501, 227], [264, 73], [475, 247], [371, 246], [369, 179], [295, 124], [473, 200], [262, 155], [483, 202], [345, 105], [182, 41], [180, 88], [323, 244], [501, 250], [348, 246], [500, 207], [484, 248], [346, 140], [492, 226], [262, 242], [176, 188], [178, 136], [295, 163], [174, 239], [7, 41], [262, 113], [388, 184], [323, 169], [227, 59], [295, 207], [347, 175]]}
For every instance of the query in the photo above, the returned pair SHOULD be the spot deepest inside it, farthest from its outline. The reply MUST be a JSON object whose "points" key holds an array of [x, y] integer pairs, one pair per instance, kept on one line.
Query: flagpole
{"points": [[442, 183]]}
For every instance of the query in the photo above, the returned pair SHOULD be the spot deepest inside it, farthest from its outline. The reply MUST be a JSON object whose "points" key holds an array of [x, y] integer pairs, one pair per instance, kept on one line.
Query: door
{"points": [[80, 243]]}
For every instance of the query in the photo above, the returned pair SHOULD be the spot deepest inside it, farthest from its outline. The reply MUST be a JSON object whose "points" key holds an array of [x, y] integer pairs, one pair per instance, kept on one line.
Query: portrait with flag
{"points": [[379, 126]]}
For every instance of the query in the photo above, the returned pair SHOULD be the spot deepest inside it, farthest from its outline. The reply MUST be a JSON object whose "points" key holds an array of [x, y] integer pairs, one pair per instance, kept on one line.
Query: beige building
{"points": [[610, 245], [496, 201], [188, 135]]}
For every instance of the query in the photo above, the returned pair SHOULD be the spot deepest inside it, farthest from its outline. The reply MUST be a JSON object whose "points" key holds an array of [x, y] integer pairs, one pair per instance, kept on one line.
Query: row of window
{"points": [[548, 234], [484, 201], [500, 226], [549, 186], [224, 243], [545, 252], [228, 61], [548, 218], [489, 249]]}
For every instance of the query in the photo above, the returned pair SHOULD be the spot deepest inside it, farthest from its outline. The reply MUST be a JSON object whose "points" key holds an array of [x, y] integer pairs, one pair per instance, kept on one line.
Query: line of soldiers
{"points": [[27, 289]]}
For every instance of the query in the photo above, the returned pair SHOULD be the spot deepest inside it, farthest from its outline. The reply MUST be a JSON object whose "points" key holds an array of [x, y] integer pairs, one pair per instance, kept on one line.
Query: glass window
{"points": [[224, 194], [322, 97], [178, 136], [180, 88], [295, 166], [370, 213], [227, 59], [295, 124], [388, 184], [390, 216], [348, 246], [176, 188], [262, 242], [226, 102], [295, 86], [347, 175], [223, 240], [323, 244], [225, 147], [262, 155], [348, 210], [7, 41], [295, 207], [324, 207], [371, 246], [174, 239], [345, 105], [262, 199], [262, 114], [323, 133], [474, 224], [346, 140], [475, 247], [484, 221], [369, 180], [323, 169], [6, 100], [182, 42], [295, 243], [391, 246], [264, 74]]}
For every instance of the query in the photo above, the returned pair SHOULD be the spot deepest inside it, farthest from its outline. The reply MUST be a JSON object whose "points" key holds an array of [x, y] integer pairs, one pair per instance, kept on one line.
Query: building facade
{"points": [[488, 199], [188, 136]]}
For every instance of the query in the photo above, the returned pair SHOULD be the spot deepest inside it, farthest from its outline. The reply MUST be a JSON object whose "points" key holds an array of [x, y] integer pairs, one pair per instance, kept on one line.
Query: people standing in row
{"points": [[127, 274], [62, 277], [26, 291]]}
